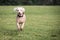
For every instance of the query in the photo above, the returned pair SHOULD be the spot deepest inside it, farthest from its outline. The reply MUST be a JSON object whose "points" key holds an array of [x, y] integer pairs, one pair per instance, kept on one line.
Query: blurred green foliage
{"points": [[29, 2]]}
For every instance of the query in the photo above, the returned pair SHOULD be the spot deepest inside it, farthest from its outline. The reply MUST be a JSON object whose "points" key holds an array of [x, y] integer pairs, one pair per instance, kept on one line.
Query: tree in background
{"points": [[29, 2]]}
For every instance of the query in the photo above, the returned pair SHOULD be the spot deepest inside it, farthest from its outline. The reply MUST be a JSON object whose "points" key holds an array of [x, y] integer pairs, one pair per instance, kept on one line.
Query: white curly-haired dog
{"points": [[21, 18]]}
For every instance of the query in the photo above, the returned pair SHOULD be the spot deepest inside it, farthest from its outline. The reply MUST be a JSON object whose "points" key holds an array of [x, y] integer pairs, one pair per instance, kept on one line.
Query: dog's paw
{"points": [[21, 29]]}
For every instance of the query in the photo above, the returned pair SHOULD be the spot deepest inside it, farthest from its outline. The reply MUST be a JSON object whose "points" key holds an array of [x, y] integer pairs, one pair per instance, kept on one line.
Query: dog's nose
{"points": [[19, 13]]}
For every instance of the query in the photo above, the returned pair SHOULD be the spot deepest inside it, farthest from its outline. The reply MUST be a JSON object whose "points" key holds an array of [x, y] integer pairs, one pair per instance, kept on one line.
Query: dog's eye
{"points": [[17, 10]]}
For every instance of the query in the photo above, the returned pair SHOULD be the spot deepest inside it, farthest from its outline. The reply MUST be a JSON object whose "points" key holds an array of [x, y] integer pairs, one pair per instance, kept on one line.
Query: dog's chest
{"points": [[21, 19]]}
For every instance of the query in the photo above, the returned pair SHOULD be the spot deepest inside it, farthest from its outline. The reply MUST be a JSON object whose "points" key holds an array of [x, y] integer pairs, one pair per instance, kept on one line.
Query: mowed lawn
{"points": [[42, 23]]}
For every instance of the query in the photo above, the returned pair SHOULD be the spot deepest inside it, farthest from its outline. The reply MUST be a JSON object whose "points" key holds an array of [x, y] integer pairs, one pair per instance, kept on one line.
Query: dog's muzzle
{"points": [[20, 15]]}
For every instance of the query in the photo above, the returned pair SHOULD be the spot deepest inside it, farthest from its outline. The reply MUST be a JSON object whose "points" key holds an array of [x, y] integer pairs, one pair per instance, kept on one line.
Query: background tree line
{"points": [[29, 2]]}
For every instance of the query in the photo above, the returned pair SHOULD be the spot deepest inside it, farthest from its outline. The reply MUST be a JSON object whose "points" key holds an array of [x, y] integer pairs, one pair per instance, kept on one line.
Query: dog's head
{"points": [[20, 11]]}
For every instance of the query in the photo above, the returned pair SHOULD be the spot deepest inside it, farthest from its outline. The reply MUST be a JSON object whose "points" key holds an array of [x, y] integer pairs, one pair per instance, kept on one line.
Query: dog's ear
{"points": [[23, 9], [15, 9]]}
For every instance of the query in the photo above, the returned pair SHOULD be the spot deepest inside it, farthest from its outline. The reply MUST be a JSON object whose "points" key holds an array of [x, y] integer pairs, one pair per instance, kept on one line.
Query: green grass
{"points": [[42, 23]]}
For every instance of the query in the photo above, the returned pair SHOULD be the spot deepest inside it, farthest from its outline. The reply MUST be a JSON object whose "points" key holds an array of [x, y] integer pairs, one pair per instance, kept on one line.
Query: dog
{"points": [[20, 18]]}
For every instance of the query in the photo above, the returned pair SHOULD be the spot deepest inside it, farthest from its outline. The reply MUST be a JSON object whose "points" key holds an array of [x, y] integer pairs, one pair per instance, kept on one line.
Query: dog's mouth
{"points": [[20, 15]]}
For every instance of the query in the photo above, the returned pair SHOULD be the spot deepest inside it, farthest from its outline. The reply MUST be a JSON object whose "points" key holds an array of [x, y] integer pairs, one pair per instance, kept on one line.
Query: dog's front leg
{"points": [[22, 26], [18, 26]]}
